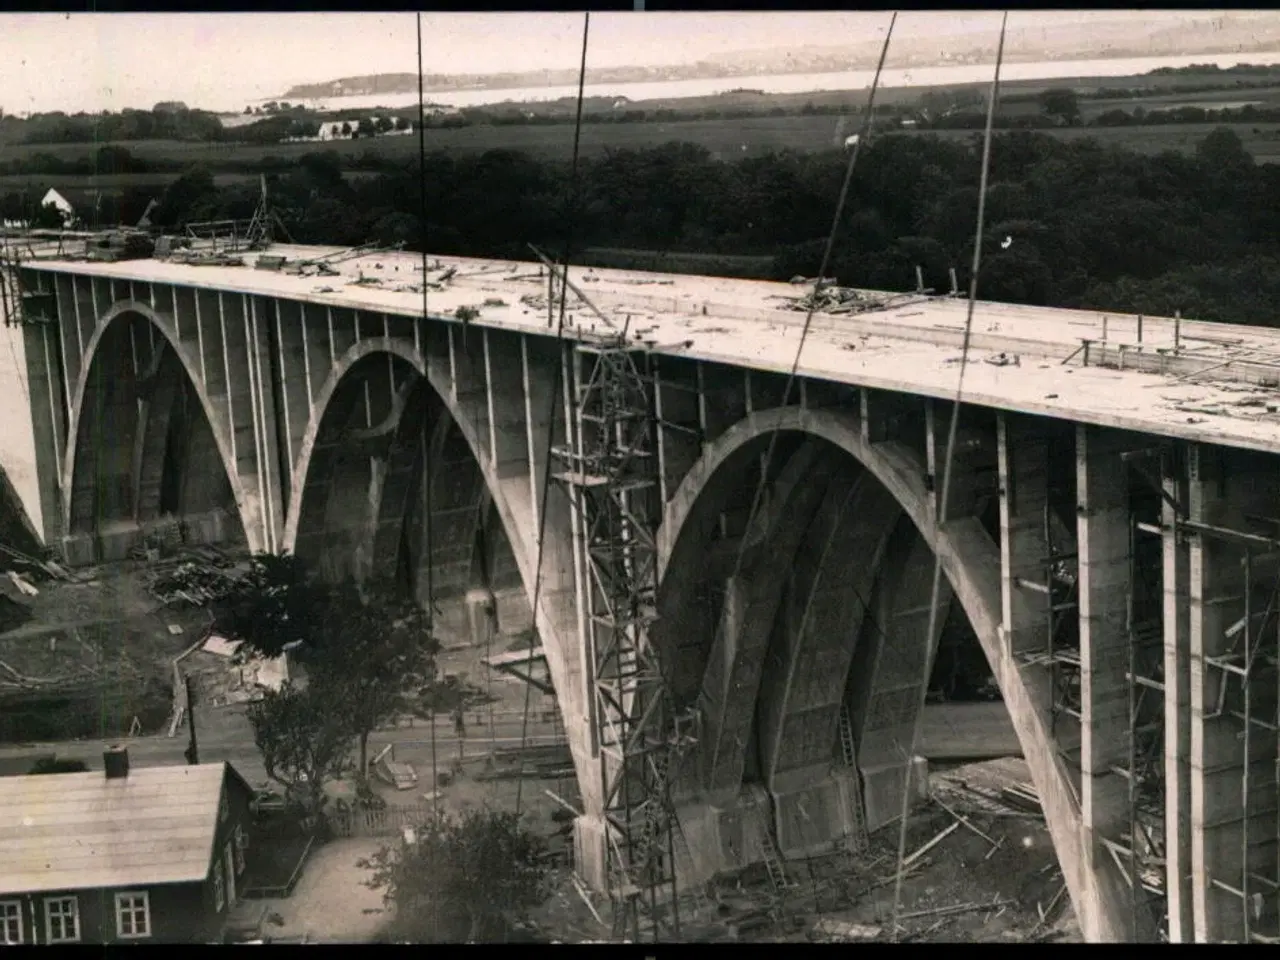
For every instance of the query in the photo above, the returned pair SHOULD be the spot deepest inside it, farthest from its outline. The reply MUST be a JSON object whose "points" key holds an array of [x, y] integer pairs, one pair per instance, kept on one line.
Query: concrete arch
{"points": [[970, 561], [106, 324], [391, 346], [555, 612], [459, 503]]}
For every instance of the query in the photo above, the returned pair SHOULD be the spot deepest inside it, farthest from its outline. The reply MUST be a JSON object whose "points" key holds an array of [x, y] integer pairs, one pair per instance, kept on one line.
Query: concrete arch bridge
{"points": [[1110, 540]]}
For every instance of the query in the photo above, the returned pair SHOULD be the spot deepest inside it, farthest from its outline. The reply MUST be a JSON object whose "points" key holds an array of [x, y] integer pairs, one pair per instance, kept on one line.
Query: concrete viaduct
{"points": [[1111, 541]]}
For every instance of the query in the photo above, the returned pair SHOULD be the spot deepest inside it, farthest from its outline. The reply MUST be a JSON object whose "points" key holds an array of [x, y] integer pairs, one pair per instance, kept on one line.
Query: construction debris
{"points": [[386, 768], [198, 580], [205, 258], [834, 931], [828, 298]]}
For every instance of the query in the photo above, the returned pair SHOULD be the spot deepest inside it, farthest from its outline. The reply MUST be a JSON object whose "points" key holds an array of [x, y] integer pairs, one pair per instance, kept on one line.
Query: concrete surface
{"points": [[910, 345]]}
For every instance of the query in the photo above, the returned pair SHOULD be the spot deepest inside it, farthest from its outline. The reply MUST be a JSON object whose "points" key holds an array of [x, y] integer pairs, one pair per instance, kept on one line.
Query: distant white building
{"points": [[332, 129], [54, 199]]}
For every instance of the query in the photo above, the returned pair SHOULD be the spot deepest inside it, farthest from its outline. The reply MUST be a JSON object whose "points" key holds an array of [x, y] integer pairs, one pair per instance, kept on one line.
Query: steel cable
{"points": [[571, 207], [817, 288], [941, 513]]}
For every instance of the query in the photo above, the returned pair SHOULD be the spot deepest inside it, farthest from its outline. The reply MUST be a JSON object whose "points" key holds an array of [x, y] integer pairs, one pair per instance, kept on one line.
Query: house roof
{"points": [[80, 831]]}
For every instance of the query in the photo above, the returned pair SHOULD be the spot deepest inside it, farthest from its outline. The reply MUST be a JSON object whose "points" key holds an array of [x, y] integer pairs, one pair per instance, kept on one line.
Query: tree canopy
{"points": [[472, 878], [368, 653], [1093, 224]]}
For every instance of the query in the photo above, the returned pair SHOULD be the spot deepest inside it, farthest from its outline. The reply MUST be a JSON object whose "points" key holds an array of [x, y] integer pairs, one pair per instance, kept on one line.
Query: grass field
{"points": [[726, 139]]}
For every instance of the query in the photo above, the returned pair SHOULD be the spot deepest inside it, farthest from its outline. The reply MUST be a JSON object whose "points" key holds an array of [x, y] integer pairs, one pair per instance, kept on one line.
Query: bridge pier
{"points": [[1104, 588]]}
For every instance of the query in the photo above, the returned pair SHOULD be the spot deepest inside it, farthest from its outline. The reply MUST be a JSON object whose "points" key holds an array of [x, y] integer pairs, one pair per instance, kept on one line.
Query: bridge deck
{"points": [[1199, 381]]}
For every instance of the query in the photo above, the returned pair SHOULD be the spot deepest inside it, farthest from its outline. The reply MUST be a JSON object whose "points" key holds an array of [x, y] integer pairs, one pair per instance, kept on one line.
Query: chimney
{"points": [[115, 761]]}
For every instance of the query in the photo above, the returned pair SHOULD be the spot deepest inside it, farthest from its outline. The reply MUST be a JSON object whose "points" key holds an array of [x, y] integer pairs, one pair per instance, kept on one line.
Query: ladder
{"points": [[857, 841], [772, 858]]}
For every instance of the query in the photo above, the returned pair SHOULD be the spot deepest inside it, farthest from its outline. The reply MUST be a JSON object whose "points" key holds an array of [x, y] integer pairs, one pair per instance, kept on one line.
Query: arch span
{"points": [[970, 561], [137, 376], [420, 401]]}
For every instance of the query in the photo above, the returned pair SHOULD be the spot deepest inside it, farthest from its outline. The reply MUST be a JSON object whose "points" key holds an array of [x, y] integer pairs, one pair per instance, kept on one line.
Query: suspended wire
{"points": [[941, 518], [571, 207], [427, 551], [817, 287]]}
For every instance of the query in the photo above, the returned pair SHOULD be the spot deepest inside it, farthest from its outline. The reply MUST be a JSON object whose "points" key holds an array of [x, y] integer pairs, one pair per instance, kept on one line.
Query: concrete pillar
{"points": [[480, 617], [48, 422], [1024, 493], [813, 809], [1177, 707], [1221, 837], [1103, 525]]}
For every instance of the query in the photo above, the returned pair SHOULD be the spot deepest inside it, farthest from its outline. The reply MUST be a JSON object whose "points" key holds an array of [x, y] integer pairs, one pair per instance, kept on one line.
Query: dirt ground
{"points": [[106, 630], [962, 890], [330, 904]]}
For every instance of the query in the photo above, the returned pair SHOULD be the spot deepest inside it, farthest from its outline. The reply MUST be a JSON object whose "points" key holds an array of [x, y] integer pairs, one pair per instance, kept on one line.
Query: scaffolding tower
{"points": [[607, 468], [1139, 852], [1247, 666], [20, 305], [234, 236], [1058, 585]]}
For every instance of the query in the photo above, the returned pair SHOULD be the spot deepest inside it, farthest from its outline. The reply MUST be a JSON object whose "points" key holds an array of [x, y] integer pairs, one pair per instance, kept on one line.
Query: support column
{"points": [[1024, 494], [1222, 836], [1102, 511], [1177, 707]]}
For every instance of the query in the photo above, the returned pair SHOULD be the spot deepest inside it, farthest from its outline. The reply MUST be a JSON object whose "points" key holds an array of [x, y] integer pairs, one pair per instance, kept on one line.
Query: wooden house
{"points": [[151, 854]]}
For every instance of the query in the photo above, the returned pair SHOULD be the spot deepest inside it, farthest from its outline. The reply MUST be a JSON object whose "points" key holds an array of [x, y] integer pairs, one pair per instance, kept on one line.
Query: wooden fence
{"points": [[387, 822], [285, 890]]}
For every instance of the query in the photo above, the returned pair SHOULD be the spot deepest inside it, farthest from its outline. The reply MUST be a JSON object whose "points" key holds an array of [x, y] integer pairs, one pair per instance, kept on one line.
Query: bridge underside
{"points": [[1121, 587]]}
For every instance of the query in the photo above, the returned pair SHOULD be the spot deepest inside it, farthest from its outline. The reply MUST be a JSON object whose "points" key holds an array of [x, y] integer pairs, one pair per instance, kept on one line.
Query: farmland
{"points": [[725, 139]]}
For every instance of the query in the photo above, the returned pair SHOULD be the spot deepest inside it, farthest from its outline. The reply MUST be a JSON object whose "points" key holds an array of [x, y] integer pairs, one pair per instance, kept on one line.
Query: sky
{"points": [[221, 61]]}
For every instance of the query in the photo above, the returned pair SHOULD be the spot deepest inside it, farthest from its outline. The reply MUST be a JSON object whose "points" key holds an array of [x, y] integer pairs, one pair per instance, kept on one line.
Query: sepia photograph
{"points": [[640, 477]]}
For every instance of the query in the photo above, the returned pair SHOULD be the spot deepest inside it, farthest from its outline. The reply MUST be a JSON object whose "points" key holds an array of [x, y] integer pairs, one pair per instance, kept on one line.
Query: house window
{"points": [[133, 915], [219, 888], [224, 808], [61, 920], [241, 844], [10, 922]]}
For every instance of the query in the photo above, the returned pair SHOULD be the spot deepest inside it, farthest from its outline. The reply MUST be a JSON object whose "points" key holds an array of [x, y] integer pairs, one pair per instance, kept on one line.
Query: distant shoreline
{"points": [[400, 84], [789, 82]]}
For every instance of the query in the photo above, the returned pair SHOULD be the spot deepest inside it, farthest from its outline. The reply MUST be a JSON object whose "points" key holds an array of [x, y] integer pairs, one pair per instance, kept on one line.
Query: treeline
{"points": [[1069, 223], [163, 122]]}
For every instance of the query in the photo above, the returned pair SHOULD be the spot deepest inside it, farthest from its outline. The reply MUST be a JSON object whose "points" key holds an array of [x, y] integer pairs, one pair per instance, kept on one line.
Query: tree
{"points": [[473, 879], [346, 129], [49, 217], [304, 739], [368, 651], [272, 606], [1061, 103], [376, 654], [402, 123], [193, 196]]}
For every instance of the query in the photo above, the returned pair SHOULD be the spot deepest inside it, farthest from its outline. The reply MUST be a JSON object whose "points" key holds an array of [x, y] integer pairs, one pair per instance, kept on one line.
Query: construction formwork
{"points": [[607, 468], [1139, 850], [1247, 700], [1244, 672], [1058, 587]]}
